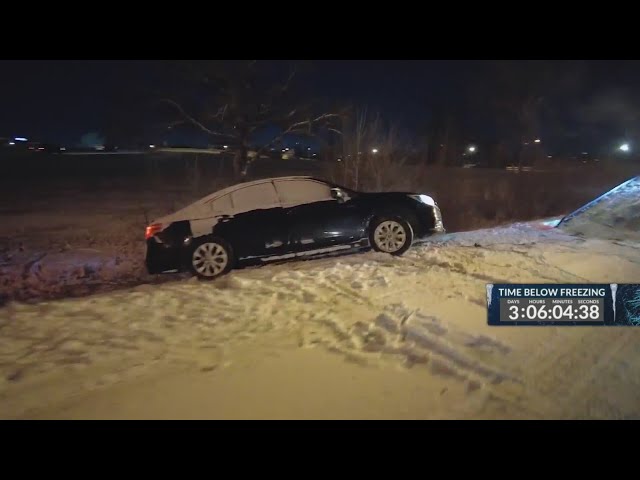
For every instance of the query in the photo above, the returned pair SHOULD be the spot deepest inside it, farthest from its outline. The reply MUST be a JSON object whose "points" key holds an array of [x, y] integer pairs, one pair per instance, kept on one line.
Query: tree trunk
{"points": [[196, 175], [240, 164], [520, 155]]}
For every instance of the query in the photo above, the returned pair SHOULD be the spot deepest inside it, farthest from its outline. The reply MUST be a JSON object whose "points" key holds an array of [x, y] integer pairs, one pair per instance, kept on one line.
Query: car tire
{"points": [[209, 257], [390, 234]]}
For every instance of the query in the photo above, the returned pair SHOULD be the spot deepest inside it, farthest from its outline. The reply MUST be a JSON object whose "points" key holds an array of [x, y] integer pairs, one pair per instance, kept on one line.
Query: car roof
{"points": [[237, 186], [187, 212]]}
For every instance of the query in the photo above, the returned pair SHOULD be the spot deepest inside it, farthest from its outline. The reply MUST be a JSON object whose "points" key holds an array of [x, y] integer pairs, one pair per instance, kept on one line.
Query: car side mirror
{"points": [[338, 194]]}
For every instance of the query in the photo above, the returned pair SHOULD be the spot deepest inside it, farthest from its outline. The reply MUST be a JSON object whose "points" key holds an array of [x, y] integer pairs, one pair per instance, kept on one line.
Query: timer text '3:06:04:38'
{"points": [[555, 312]]}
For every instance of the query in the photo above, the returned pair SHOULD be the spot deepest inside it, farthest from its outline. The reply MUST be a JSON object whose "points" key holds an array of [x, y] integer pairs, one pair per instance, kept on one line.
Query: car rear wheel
{"points": [[391, 235], [210, 258]]}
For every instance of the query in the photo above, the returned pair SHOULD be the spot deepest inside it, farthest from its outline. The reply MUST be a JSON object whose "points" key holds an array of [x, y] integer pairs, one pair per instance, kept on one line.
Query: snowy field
{"points": [[360, 336], [52, 247], [86, 333]]}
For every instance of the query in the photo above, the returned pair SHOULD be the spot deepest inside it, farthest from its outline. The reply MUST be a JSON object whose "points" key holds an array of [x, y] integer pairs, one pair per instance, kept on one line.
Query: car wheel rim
{"points": [[390, 236], [209, 259]]}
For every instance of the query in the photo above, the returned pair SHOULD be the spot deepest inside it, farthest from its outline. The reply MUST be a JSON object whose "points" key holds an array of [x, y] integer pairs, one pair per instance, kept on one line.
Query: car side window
{"points": [[298, 192], [222, 205], [261, 196]]}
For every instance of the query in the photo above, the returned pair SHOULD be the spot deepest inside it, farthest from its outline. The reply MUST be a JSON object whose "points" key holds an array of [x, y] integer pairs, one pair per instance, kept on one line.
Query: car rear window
{"points": [[254, 197], [293, 192], [222, 205]]}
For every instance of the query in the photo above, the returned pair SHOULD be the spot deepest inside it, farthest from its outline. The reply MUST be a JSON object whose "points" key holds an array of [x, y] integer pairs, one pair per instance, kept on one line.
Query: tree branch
{"points": [[219, 115], [295, 128], [324, 116], [196, 122], [286, 85]]}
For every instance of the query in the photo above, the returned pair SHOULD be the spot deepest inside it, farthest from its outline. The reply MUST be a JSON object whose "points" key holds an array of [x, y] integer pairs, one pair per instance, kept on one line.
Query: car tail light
{"points": [[152, 230]]}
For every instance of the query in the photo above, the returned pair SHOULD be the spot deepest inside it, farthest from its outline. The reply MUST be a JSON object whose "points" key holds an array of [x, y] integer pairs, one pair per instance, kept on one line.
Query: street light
{"points": [[624, 147], [537, 140], [375, 150], [472, 148], [225, 146]]}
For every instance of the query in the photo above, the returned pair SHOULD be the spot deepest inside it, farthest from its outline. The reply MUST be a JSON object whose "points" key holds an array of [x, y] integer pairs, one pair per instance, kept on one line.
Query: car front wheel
{"points": [[391, 235], [210, 257]]}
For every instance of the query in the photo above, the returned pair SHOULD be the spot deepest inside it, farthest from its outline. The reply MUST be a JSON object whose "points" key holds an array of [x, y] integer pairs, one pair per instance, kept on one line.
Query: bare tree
{"points": [[523, 94], [373, 157], [234, 100], [385, 165], [358, 130], [442, 136]]}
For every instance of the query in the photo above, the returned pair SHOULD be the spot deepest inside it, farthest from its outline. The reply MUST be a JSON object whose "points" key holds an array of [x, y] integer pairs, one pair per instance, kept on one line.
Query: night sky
{"points": [[59, 101]]}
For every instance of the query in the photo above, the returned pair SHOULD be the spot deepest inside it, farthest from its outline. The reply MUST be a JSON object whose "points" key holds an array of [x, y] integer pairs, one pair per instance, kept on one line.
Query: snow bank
{"points": [[614, 215]]}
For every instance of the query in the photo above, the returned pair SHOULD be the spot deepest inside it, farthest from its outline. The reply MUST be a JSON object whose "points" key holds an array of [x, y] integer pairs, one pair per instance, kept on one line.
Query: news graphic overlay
{"points": [[609, 304]]}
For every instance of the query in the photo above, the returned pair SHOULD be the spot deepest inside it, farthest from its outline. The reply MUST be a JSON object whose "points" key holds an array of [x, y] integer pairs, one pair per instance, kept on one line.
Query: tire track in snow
{"points": [[372, 309]]}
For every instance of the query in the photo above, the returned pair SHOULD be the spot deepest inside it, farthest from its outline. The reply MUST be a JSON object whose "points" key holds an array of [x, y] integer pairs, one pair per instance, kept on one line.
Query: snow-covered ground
{"points": [[51, 247], [360, 336], [614, 215]]}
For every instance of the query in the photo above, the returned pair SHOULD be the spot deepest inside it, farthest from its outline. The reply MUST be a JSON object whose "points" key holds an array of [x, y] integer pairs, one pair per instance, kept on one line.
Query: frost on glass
{"points": [[222, 205], [294, 192], [254, 197]]}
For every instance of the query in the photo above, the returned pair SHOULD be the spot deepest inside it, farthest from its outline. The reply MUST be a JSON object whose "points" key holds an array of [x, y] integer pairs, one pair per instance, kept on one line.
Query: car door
{"points": [[256, 226], [314, 218]]}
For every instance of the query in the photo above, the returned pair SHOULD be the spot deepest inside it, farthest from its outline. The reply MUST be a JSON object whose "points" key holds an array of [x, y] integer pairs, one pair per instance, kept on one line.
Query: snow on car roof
{"points": [[191, 211], [232, 188]]}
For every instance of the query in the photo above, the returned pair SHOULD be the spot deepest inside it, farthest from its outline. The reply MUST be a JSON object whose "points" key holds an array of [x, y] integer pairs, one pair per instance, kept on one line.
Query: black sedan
{"points": [[284, 217]]}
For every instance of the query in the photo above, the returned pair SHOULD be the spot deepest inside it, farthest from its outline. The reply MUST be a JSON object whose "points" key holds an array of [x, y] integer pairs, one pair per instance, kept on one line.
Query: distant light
{"points": [[526, 143], [375, 150], [225, 146], [20, 139], [585, 153], [40, 148], [314, 154], [537, 140], [308, 148], [472, 148], [62, 149], [284, 150], [152, 146], [12, 143], [339, 159], [624, 147], [549, 156]]}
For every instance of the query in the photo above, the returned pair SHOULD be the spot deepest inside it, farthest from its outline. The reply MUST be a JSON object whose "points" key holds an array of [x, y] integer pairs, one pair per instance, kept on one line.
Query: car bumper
{"points": [[438, 224], [162, 258], [429, 222]]}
